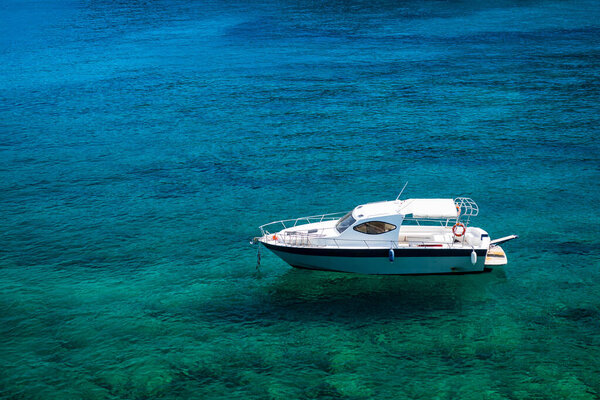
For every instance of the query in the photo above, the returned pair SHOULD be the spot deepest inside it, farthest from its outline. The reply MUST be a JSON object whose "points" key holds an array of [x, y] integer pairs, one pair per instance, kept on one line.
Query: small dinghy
{"points": [[399, 237]]}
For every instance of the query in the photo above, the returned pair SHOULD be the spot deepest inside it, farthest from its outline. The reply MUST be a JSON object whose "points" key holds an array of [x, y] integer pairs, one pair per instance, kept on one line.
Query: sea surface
{"points": [[143, 142]]}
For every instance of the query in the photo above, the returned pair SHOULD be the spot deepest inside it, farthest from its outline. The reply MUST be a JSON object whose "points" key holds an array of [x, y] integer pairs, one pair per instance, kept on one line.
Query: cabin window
{"points": [[374, 227], [345, 222]]}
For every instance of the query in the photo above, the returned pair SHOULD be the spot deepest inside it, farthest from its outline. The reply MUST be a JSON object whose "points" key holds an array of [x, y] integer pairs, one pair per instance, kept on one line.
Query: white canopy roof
{"points": [[418, 208], [429, 208]]}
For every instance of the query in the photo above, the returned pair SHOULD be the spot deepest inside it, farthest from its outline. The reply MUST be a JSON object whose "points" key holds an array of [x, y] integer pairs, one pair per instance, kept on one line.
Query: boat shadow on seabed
{"points": [[313, 295]]}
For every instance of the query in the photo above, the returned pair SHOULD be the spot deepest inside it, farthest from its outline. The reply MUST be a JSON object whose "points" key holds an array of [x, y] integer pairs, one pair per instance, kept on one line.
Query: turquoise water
{"points": [[142, 143]]}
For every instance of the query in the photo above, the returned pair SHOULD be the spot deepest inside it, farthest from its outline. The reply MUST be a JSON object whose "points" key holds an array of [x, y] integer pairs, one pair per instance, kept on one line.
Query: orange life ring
{"points": [[274, 237], [459, 224]]}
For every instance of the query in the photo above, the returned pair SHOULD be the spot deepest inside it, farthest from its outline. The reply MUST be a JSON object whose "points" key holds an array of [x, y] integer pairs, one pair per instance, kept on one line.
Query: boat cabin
{"points": [[397, 220]]}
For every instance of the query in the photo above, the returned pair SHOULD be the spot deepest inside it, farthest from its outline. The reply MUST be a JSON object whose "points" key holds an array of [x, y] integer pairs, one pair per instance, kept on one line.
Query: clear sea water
{"points": [[142, 143]]}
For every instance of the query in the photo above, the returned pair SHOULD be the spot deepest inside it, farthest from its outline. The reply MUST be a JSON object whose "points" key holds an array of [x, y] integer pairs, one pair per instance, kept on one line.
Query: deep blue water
{"points": [[142, 143]]}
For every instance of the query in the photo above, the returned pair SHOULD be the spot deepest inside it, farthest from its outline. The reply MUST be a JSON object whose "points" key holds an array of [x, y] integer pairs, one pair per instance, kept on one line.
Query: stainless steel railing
{"points": [[277, 226]]}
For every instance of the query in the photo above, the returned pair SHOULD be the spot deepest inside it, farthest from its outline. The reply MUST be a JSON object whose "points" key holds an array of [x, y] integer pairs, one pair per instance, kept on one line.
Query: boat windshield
{"points": [[345, 222]]}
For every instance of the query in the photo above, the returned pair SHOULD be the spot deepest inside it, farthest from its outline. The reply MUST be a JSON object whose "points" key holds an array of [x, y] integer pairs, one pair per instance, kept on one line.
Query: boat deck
{"points": [[408, 236]]}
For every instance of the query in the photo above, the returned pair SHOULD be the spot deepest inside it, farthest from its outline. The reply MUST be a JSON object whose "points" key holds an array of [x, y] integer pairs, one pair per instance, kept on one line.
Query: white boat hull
{"points": [[408, 261]]}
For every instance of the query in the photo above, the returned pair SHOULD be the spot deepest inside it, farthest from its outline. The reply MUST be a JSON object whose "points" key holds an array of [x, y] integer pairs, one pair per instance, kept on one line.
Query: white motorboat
{"points": [[404, 237]]}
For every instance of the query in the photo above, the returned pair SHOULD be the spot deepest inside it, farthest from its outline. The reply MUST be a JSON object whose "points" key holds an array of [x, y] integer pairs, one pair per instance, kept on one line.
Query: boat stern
{"points": [[495, 257]]}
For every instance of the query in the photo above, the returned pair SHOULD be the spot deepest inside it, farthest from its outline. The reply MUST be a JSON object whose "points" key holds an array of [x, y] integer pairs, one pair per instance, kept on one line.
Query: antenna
{"points": [[402, 191]]}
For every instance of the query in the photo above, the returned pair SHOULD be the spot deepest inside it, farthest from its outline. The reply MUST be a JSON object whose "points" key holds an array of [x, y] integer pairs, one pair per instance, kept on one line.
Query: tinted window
{"points": [[374, 227], [345, 222]]}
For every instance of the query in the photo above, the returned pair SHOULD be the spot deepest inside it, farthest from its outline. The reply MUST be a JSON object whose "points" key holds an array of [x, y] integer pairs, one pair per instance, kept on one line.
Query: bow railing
{"points": [[277, 226]]}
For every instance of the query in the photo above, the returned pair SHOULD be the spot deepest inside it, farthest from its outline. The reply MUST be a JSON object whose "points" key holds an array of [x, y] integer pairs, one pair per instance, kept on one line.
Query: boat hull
{"points": [[408, 261]]}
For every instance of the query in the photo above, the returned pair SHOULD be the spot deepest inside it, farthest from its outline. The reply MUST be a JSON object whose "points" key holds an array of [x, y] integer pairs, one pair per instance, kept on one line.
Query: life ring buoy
{"points": [[458, 225]]}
